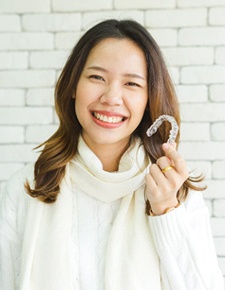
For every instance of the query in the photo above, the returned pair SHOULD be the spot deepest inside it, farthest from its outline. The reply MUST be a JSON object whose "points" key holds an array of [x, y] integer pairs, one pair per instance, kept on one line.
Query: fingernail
{"points": [[166, 146]]}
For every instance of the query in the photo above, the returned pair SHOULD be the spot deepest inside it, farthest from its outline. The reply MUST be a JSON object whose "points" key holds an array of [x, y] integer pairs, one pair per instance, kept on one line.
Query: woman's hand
{"points": [[165, 179]]}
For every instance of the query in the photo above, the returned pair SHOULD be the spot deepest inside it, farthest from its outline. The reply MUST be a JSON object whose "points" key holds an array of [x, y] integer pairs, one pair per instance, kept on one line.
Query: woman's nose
{"points": [[112, 96]]}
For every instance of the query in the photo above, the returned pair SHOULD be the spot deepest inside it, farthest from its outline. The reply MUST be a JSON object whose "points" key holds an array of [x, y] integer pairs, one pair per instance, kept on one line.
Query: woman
{"points": [[93, 212]]}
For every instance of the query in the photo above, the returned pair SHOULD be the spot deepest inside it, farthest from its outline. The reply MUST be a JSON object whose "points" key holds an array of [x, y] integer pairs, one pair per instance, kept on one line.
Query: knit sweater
{"points": [[182, 239]]}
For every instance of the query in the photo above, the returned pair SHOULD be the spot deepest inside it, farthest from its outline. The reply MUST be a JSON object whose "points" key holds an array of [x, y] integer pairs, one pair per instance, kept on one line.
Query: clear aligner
{"points": [[154, 127]]}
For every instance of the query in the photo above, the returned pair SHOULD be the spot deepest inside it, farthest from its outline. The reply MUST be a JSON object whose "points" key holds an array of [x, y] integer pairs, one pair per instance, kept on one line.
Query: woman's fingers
{"points": [[176, 160], [157, 175], [165, 178]]}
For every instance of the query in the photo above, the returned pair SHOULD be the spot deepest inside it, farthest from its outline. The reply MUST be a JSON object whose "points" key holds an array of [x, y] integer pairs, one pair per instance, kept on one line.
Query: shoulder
{"points": [[17, 180], [14, 204], [20, 176], [13, 190], [26, 171]]}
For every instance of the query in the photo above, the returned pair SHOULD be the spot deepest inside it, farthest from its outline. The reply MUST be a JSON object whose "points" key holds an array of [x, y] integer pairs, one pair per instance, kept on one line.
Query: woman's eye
{"points": [[96, 77], [132, 84]]}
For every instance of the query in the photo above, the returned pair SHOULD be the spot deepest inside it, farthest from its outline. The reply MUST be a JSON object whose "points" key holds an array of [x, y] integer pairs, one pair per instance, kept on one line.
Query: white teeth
{"points": [[108, 119]]}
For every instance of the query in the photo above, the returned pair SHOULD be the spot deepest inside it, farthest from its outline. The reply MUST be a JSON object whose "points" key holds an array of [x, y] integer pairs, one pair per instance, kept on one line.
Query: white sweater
{"points": [[182, 239], [180, 259]]}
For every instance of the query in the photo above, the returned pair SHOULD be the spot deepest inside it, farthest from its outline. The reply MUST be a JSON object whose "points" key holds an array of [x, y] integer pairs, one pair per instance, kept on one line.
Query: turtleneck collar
{"points": [[87, 172]]}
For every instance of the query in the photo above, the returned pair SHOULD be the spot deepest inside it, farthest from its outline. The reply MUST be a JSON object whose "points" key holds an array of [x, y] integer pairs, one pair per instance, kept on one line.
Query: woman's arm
{"points": [[184, 243], [9, 263], [182, 237], [13, 209]]}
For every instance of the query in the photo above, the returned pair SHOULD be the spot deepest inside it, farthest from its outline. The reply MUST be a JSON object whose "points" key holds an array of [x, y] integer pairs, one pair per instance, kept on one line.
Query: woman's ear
{"points": [[73, 96]]}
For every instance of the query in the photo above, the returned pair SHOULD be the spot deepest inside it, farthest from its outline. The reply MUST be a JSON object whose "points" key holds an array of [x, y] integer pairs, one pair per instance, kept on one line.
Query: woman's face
{"points": [[112, 92]]}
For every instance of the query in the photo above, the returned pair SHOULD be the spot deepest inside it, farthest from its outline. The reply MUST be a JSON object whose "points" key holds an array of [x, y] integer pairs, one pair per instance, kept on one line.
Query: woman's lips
{"points": [[108, 119]]}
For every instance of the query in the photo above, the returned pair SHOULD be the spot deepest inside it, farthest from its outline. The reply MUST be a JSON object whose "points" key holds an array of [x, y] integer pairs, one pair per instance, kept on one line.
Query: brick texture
{"points": [[12, 97], [77, 5], [217, 93], [202, 36], [187, 56], [25, 6], [176, 17], [36, 37], [91, 18], [10, 23], [192, 93], [27, 78], [52, 22], [13, 60], [200, 3], [144, 4], [164, 37], [26, 41]]}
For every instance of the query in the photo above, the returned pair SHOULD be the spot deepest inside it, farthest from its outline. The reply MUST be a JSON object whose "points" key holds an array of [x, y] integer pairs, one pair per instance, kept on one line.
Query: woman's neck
{"points": [[109, 154]]}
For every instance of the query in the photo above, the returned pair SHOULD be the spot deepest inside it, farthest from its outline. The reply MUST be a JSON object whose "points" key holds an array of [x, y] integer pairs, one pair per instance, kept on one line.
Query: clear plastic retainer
{"points": [[158, 122]]}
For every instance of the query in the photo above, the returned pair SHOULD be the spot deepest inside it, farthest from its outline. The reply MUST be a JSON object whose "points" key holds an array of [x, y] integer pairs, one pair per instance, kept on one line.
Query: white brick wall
{"points": [[187, 56], [217, 93], [202, 36], [12, 97], [48, 59], [216, 16], [26, 41], [176, 17], [27, 78], [10, 23], [13, 60], [144, 4], [165, 37], [78, 5], [90, 18], [36, 38], [52, 22], [25, 6]]}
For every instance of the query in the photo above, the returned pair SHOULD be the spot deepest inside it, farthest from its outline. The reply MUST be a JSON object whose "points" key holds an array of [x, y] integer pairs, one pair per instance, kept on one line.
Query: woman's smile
{"points": [[108, 117], [111, 119]]}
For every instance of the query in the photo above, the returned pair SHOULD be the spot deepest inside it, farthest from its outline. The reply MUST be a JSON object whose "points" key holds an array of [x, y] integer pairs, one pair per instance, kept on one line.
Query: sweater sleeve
{"points": [[185, 247], [13, 210]]}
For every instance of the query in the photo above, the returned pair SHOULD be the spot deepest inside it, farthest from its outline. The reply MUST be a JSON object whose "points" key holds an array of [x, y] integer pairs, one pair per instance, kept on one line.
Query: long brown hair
{"points": [[61, 147]]}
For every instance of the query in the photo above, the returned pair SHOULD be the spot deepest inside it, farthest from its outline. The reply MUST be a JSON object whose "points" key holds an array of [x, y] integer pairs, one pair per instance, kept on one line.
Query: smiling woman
{"points": [[104, 207], [111, 96]]}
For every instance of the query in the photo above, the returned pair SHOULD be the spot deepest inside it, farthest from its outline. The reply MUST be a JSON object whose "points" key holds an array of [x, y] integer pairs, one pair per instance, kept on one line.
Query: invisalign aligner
{"points": [[154, 127]]}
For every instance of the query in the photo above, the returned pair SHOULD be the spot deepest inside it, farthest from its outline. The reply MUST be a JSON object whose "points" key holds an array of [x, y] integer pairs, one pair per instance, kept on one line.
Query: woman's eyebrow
{"points": [[98, 68], [133, 75]]}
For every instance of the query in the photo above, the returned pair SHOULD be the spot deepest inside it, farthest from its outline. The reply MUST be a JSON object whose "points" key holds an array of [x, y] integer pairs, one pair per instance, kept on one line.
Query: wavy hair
{"points": [[61, 147]]}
